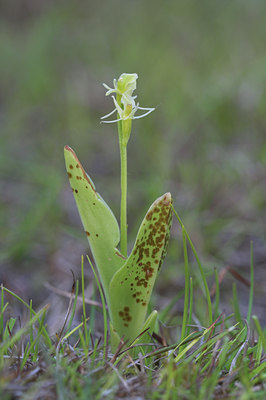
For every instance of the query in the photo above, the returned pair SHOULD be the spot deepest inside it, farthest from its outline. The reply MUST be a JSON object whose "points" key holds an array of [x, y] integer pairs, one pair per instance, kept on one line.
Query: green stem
{"points": [[123, 208]]}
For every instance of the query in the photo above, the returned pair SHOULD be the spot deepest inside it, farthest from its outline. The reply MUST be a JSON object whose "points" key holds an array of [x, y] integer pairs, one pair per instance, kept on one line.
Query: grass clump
{"points": [[222, 359]]}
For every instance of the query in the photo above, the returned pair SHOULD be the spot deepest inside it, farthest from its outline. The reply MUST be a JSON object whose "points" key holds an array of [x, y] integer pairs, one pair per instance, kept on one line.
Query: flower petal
{"points": [[108, 115]]}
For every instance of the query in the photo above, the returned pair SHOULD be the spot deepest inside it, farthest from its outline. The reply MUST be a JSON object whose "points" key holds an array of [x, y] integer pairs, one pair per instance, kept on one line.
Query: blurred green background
{"points": [[201, 63]]}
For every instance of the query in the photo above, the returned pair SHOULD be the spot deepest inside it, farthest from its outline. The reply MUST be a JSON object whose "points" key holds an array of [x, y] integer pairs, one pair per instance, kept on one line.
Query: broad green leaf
{"points": [[99, 222], [131, 287]]}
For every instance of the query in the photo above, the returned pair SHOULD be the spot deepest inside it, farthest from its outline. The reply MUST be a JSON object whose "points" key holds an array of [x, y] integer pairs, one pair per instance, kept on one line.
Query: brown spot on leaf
{"points": [[147, 252], [148, 270], [125, 315], [69, 175], [148, 216], [67, 148], [141, 282], [87, 233]]}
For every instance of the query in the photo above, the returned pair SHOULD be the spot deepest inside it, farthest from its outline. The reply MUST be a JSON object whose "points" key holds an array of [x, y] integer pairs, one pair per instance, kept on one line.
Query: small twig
{"points": [[234, 273], [64, 293], [122, 380]]}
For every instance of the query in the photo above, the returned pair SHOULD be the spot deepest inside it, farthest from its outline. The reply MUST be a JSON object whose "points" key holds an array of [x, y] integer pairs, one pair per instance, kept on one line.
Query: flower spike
{"points": [[125, 104]]}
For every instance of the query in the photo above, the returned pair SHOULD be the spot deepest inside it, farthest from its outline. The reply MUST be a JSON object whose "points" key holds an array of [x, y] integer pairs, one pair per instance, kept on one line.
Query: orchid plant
{"points": [[127, 280]]}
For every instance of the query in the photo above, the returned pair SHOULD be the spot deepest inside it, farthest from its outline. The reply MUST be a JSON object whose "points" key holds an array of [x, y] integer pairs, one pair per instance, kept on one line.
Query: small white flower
{"points": [[124, 86], [124, 89], [127, 112]]}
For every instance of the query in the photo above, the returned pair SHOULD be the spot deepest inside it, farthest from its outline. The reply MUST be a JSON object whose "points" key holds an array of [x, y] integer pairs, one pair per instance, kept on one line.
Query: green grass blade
{"points": [[31, 328], [165, 312], [207, 292], [217, 295], [74, 307], [186, 297], [259, 330], [45, 333], [67, 335], [2, 309], [251, 290], [83, 302], [104, 310], [9, 343], [92, 311], [236, 305], [9, 328], [190, 306]]}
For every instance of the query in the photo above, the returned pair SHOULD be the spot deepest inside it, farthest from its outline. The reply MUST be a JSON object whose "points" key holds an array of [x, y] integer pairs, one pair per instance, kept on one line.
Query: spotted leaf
{"points": [[99, 222], [131, 287]]}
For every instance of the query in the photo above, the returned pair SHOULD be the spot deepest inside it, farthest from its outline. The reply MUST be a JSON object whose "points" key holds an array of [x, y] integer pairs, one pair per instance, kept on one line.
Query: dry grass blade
{"points": [[64, 293], [234, 273]]}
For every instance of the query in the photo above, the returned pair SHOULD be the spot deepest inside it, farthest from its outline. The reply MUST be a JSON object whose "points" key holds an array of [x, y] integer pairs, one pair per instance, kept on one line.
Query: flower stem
{"points": [[123, 207]]}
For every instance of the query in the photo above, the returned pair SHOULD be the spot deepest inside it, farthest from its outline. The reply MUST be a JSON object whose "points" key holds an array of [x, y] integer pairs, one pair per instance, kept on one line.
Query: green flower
{"points": [[124, 87], [125, 104]]}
